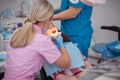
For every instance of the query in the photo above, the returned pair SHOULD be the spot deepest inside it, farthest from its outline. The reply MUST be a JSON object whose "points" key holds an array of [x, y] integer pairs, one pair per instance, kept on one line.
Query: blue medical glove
{"points": [[55, 11], [59, 40]]}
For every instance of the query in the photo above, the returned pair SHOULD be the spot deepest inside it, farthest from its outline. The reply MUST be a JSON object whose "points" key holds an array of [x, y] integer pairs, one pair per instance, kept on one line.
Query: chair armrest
{"points": [[112, 28]]}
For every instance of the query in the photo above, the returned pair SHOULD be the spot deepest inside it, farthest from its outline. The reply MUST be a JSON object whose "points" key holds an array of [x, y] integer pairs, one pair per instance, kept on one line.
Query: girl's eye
{"points": [[50, 28]]}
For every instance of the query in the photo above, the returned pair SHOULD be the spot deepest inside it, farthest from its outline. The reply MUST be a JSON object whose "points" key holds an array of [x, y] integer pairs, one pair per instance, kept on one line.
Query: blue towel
{"points": [[76, 57], [6, 34], [2, 57]]}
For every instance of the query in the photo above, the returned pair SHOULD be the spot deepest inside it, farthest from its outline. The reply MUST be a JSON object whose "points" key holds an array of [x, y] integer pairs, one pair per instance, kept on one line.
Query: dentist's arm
{"points": [[67, 14], [64, 60]]}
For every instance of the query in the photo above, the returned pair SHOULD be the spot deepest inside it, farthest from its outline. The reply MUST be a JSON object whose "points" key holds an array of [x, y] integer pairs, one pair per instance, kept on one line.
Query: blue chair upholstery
{"points": [[114, 47], [103, 50]]}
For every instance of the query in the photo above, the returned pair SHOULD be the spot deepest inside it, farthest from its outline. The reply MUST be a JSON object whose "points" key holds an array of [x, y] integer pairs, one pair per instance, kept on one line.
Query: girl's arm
{"points": [[88, 64]]}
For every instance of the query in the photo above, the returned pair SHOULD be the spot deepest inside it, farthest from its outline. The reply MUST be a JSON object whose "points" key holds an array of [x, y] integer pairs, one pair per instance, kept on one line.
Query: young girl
{"points": [[77, 59], [29, 48]]}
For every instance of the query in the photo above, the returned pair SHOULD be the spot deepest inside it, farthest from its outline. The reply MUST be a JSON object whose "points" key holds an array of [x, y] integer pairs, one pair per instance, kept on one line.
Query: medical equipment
{"points": [[105, 66], [109, 50], [5, 14]]}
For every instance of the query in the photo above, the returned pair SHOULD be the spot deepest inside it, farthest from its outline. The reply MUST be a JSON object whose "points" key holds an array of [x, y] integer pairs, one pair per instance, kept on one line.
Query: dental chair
{"points": [[44, 76], [2, 61], [109, 50]]}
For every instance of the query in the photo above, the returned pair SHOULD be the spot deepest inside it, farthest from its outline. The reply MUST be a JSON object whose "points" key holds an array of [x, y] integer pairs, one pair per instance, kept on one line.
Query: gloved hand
{"points": [[55, 11], [59, 40]]}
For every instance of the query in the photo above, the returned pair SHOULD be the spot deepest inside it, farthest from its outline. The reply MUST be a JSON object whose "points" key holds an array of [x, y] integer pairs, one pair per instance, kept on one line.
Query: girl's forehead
{"points": [[52, 27]]}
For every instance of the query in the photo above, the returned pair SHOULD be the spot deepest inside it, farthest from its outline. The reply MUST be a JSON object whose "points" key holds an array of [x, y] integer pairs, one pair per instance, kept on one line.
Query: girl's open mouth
{"points": [[54, 31]]}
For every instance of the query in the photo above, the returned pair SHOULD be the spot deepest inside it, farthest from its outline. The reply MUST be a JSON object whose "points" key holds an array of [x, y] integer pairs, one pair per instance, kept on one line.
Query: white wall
{"points": [[15, 5], [108, 14]]}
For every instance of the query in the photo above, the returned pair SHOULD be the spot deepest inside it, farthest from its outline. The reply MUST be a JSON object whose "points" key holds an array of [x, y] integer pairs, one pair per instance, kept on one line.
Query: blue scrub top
{"points": [[80, 25]]}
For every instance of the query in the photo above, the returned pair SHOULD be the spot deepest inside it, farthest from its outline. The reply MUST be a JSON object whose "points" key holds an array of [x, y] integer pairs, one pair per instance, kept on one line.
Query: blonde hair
{"points": [[40, 11]]}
